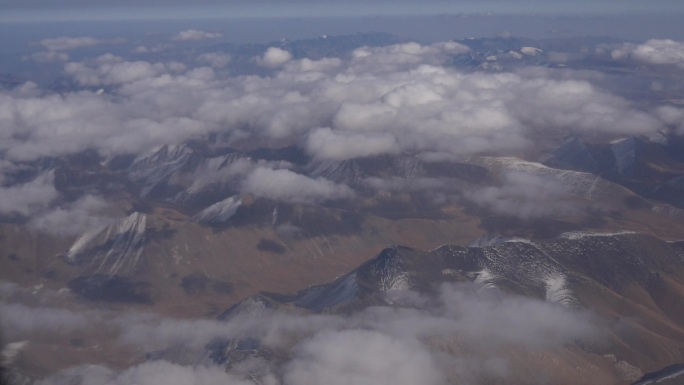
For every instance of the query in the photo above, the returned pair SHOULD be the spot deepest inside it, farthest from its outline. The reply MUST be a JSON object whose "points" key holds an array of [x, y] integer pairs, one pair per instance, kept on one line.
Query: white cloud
{"points": [[113, 70], [86, 213], [672, 116], [527, 196], [56, 47], [215, 59], [30, 197], [378, 345], [361, 357], [378, 101], [274, 57], [326, 143], [68, 43], [289, 186], [20, 321], [194, 35], [654, 52]]}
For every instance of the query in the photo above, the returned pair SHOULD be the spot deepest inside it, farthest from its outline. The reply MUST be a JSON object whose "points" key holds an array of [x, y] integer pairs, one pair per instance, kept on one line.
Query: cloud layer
{"points": [[655, 52], [402, 344], [402, 98], [194, 35], [379, 100]]}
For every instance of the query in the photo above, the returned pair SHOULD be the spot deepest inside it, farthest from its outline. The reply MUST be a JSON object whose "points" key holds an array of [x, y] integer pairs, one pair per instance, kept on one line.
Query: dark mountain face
{"points": [[652, 170]]}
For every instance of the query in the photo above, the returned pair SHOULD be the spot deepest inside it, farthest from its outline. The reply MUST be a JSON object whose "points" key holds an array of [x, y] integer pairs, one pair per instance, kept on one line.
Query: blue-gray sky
{"points": [[129, 9]]}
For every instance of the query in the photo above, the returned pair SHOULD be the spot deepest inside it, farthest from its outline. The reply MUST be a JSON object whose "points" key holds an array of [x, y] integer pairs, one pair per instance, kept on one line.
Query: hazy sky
{"points": [[125, 9]]}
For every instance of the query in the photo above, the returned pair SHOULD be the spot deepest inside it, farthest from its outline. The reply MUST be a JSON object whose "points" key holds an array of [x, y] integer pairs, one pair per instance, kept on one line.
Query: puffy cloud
{"points": [[30, 197], [654, 52], [193, 35], [17, 321], [377, 101], [274, 57], [579, 107], [86, 213], [502, 320], [672, 116], [526, 195], [113, 70], [361, 357], [215, 59], [289, 186], [397, 344], [326, 143], [55, 47]]}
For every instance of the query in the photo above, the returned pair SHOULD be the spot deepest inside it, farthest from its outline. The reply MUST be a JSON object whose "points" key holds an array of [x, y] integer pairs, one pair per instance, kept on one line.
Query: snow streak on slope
{"points": [[220, 211], [557, 290], [112, 250], [152, 170]]}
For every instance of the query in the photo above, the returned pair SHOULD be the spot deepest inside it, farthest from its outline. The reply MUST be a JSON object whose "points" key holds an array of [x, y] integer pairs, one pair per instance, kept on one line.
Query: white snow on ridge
{"points": [[127, 239], [582, 234], [152, 169], [489, 240], [220, 211], [576, 182], [557, 290], [485, 278], [400, 282], [531, 51], [81, 244]]}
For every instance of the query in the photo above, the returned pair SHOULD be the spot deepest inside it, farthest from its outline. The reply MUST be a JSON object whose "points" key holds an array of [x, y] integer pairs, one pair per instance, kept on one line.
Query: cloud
{"points": [[463, 334], [378, 100], [328, 144], [68, 43], [73, 218], [194, 35], [149, 373], [274, 57], [113, 70], [30, 197], [671, 116], [361, 357], [38, 200], [215, 59], [56, 47], [49, 56], [653, 52], [20, 321], [160, 372], [526, 196], [286, 185]]}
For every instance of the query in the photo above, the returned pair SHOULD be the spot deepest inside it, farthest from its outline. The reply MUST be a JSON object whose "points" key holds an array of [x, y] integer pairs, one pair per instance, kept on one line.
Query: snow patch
{"points": [[11, 350], [572, 235], [557, 290], [126, 241], [485, 278], [220, 211], [531, 51]]}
